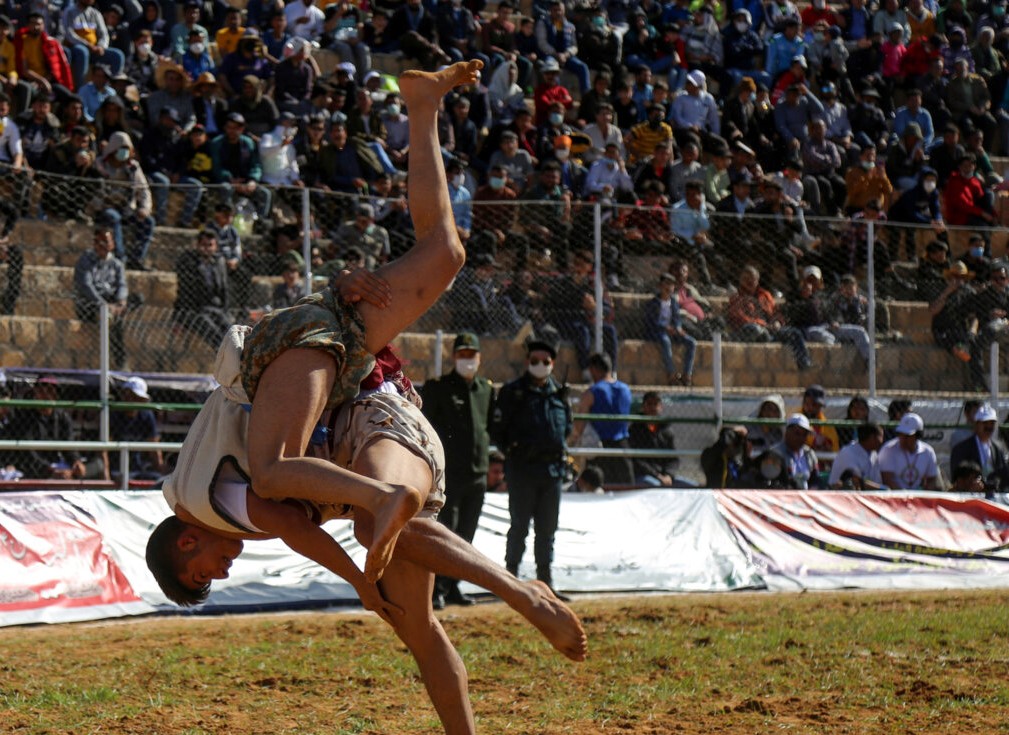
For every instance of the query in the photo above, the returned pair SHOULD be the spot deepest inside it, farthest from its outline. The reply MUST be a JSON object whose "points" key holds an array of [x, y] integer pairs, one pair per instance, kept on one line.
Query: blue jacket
{"points": [[654, 329]]}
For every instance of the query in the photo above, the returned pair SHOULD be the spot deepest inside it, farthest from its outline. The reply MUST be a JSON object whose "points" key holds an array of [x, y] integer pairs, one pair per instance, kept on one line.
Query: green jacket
{"points": [[460, 412]]}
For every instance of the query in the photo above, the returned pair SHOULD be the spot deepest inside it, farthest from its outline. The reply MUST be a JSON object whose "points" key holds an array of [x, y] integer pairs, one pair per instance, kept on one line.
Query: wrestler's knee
{"points": [[267, 477]]}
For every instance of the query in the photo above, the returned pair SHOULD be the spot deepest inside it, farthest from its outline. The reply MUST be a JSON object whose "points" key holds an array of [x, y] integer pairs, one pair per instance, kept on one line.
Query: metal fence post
{"points": [[306, 241], [597, 216], [716, 377], [103, 371], [438, 336], [993, 374], [870, 275]]}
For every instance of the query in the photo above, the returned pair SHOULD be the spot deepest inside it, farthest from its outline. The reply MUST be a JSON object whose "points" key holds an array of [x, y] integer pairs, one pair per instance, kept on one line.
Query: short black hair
{"points": [[966, 468], [866, 430], [593, 476], [495, 457], [166, 562], [601, 362]]}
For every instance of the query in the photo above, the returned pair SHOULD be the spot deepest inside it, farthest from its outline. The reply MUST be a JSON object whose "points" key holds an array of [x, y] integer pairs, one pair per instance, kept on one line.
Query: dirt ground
{"points": [[744, 663]]}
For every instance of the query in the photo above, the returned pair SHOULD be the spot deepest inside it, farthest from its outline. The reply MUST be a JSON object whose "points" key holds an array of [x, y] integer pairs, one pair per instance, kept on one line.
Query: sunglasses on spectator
{"points": [[538, 361]]}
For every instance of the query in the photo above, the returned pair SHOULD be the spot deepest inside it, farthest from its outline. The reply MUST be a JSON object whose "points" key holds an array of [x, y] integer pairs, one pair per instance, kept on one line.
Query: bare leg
{"points": [[441, 667], [290, 399], [421, 276], [430, 545]]}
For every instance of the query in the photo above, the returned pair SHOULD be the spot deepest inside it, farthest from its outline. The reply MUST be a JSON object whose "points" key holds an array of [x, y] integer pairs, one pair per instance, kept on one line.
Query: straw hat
{"points": [[165, 66], [959, 270]]}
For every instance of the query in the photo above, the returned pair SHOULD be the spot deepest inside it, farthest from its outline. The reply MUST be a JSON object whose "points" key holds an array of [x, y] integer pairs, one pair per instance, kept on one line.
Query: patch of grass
{"points": [[849, 662]]}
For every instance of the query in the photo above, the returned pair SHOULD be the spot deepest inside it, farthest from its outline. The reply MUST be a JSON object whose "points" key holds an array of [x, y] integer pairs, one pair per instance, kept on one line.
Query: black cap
{"points": [[484, 260], [816, 392], [538, 343]]}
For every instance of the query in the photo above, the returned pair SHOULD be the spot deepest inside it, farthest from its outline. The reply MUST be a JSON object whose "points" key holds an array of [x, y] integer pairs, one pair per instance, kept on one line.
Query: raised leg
{"points": [[420, 277], [289, 401]]}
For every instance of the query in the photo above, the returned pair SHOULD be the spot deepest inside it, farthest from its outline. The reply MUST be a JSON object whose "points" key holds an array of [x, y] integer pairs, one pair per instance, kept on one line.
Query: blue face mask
{"points": [[496, 182], [556, 118], [977, 252]]}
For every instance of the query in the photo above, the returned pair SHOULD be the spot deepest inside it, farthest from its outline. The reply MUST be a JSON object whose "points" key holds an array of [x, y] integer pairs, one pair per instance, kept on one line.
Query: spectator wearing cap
{"points": [[237, 165], [294, 78], [958, 47], [557, 39], [695, 112], [173, 91], [304, 19], [375, 34], [204, 298], [984, 449], [344, 30], [913, 112], [531, 422], [100, 278], [549, 91], [137, 425], [952, 312], [784, 46], [258, 110], [159, 151], [906, 462], [642, 139], [715, 175], [781, 14], [209, 108], [362, 232], [125, 201], [178, 38], [247, 59], [229, 35], [460, 406], [40, 59], [87, 40], [573, 174], [665, 327], [703, 41], [868, 120], [801, 464], [416, 29], [552, 127]]}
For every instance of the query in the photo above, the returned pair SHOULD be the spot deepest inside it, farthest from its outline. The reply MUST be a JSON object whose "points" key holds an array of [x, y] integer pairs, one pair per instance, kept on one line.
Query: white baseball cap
{"points": [[911, 424], [986, 413], [137, 386], [799, 419]]}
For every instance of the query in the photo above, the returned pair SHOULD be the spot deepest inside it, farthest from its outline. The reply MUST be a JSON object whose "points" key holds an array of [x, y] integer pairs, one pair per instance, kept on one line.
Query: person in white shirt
{"points": [[602, 132], [277, 154], [907, 463], [304, 19], [860, 460], [608, 175]]}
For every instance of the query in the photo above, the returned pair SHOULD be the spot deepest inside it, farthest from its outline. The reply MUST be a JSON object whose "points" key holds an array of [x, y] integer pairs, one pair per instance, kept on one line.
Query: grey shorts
{"points": [[390, 416]]}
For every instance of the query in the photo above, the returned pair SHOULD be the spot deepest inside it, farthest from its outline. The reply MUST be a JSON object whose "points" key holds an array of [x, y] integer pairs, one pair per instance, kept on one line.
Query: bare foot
{"points": [[556, 621], [420, 87], [397, 509]]}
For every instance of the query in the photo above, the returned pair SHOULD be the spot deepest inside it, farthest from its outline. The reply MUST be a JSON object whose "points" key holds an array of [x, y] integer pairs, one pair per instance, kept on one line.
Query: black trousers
{"points": [[464, 493]]}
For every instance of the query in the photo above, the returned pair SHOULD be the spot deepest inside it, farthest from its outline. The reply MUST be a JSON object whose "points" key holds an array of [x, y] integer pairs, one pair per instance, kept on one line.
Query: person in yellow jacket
{"points": [[821, 438]]}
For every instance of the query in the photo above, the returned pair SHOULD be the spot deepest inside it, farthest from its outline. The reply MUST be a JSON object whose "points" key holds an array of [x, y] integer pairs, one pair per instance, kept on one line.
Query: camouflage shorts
{"points": [[390, 416], [320, 321]]}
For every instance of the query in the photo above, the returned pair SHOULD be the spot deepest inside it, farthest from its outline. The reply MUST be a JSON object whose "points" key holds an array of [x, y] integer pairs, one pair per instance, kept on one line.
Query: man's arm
{"points": [[302, 536], [585, 403]]}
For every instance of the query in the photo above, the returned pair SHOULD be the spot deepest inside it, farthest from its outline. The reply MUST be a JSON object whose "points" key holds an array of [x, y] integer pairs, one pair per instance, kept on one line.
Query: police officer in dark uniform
{"points": [[459, 406], [531, 422]]}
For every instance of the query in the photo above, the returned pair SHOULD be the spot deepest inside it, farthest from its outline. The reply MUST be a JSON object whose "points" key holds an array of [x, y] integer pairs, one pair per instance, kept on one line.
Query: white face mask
{"points": [[741, 26], [562, 154], [144, 49], [467, 366], [770, 470], [541, 371], [197, 48], [928, 186], [393, 110], [458, 180]]}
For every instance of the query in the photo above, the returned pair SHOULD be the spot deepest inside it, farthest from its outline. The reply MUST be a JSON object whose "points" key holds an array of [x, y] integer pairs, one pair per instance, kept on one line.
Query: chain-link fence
{"points": [[858, 305]]}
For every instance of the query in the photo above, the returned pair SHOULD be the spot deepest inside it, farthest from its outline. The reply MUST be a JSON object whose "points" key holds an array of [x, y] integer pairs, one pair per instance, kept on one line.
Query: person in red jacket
{"points": [[41, 60], [550, 90], [967, 200]]}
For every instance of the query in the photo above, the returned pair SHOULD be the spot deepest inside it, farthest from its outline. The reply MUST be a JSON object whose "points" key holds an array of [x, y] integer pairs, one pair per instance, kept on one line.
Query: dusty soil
{"points": [[743, 663]]}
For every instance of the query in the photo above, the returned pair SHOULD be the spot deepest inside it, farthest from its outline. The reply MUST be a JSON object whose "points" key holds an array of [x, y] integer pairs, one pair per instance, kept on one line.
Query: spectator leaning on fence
{"points": [[606, 395]]}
